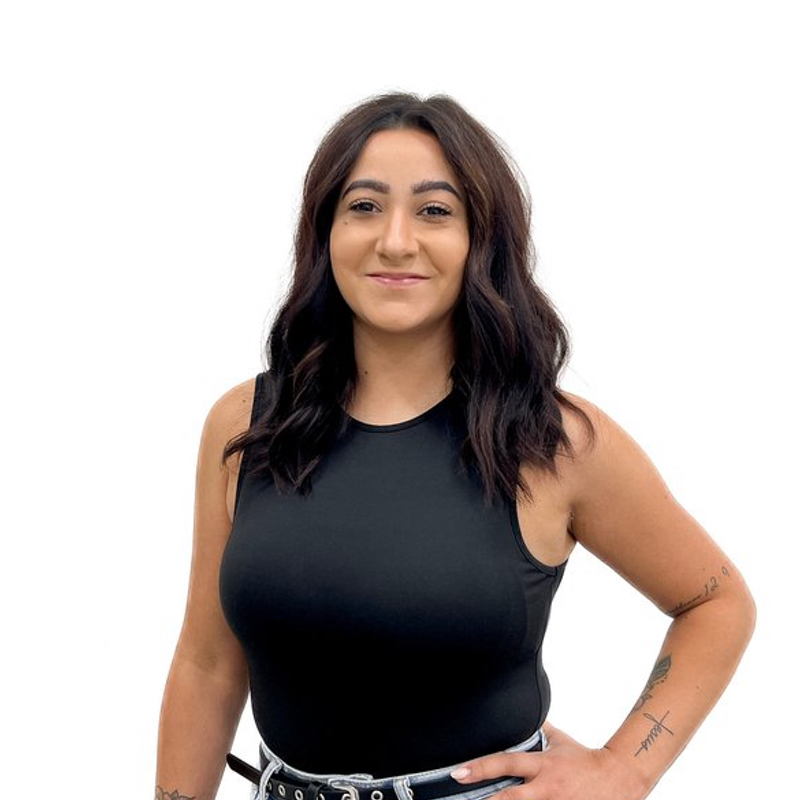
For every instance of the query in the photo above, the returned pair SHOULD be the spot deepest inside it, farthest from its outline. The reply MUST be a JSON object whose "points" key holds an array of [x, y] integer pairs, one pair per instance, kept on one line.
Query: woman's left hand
{"points": [[565, 771]]}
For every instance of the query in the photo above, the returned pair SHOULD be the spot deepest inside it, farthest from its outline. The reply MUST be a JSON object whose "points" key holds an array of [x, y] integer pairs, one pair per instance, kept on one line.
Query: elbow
{"points": [[729, 617], [749, 612], [741, 615]]}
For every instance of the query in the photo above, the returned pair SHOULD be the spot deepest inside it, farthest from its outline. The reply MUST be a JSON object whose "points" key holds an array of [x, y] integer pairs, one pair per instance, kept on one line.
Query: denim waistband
{"points": [[361, 780]]}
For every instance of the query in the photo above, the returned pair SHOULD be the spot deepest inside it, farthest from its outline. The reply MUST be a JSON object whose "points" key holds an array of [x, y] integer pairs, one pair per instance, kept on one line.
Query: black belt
{"points": [[287, 787]]}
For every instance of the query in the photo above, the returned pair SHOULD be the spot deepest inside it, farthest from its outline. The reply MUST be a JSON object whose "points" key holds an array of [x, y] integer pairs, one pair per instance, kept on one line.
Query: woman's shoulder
{"points": [[228, 418], [603, 452], [583, 420], [231, 411], [597, 441]]}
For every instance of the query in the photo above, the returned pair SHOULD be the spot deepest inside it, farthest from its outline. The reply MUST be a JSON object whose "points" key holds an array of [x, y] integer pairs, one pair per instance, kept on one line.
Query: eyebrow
{"points": [[417, 188]]}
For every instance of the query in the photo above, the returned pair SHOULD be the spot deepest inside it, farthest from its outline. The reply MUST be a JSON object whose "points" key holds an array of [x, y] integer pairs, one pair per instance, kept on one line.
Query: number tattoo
{"points": [[711, 586]]}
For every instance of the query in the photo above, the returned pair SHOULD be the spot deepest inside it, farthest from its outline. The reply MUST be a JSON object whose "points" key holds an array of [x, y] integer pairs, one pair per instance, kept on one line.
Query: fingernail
{"points": [[461, 772]]}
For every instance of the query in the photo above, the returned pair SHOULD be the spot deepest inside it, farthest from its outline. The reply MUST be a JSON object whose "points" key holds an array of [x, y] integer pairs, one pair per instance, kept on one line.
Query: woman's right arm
{"points": [[207, 684]]}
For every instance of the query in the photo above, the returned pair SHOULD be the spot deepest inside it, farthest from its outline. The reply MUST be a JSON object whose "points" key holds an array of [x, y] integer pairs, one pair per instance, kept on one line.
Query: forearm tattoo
{"points": [[658, 675], [658, 727], [162, 794]]}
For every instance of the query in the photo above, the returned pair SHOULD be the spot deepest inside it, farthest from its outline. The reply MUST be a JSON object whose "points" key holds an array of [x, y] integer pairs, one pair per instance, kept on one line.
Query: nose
{"points": [[397, 242]]}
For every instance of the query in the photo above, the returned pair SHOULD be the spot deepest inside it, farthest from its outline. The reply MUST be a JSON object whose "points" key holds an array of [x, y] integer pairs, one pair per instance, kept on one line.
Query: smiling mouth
{"points": [[397, 278]]}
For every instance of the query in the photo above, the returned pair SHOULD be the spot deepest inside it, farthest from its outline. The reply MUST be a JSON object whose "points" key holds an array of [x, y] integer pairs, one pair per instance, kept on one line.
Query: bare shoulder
{"points": [[228, 417], [595, 437], [603, 446], [582, 423], [230, 414], [604, 458]]}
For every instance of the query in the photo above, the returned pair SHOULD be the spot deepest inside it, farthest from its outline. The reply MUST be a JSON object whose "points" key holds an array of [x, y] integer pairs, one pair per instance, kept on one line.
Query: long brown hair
{"points": [[510, 343]]}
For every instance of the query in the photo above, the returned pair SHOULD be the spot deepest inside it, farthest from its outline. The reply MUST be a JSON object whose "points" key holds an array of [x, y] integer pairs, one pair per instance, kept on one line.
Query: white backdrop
{"points": [[151, 156]]}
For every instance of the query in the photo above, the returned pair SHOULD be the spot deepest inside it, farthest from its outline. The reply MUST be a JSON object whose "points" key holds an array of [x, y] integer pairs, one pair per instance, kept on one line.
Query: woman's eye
{"points": [[436, 211], [363, 206]]}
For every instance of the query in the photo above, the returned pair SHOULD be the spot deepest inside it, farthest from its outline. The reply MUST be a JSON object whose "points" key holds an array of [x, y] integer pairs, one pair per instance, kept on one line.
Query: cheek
{"points": [[453, 257], [457, 244], [342, 260], [345, 246], [335, 244], [337, 252]]}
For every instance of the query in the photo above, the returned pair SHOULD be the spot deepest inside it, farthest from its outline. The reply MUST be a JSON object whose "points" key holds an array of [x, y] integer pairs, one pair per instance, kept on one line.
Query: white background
{"points": [[150, 168]]}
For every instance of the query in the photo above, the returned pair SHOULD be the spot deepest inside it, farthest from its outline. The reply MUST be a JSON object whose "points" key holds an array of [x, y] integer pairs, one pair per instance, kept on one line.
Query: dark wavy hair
{"points": [[510, 343]]}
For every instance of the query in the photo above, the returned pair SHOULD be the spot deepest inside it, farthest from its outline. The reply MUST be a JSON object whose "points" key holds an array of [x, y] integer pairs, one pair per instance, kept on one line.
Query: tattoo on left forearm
{"points": [[162, 794], [658, 728], [658, 675]]}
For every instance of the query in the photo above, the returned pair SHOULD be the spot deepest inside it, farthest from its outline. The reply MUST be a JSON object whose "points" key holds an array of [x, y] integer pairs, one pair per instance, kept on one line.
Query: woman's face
{"points": [[400, 239]]}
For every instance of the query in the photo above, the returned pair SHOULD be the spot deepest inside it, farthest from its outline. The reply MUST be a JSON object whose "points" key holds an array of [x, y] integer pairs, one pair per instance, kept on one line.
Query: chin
{"points": [[406, 325]]}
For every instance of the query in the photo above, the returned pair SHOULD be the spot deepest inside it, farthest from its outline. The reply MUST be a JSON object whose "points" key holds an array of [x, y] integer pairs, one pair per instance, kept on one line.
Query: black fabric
{"points": [[392, 622]]}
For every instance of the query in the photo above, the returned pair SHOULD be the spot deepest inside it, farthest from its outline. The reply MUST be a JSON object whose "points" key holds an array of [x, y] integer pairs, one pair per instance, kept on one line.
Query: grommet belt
{"points": [[287, 787], [283, 787]]}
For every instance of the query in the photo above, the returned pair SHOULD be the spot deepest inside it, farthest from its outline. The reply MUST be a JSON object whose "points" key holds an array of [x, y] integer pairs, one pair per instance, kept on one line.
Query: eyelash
{"points": [[445, 211], [358, 207]]}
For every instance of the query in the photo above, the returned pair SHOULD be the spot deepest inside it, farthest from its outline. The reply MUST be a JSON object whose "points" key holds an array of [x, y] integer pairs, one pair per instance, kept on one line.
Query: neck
{"points": [[399, 377]]}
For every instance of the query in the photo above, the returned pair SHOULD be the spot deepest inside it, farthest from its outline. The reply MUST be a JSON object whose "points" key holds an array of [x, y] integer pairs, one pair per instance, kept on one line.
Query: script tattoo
{"points": [[658, 728], [685, 605], [711, 585], [161, 794], [658, 675]]}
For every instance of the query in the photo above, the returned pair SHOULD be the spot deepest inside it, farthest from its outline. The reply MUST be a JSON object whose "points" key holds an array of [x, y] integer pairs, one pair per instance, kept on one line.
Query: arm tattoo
{"points": [[713, 583], [658, 675], [161, 794], [684, 606], [655, 731]]}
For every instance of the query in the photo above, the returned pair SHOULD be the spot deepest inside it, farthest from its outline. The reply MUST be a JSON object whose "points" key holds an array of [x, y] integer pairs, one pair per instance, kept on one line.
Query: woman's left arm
{"points": [[624, 514]]}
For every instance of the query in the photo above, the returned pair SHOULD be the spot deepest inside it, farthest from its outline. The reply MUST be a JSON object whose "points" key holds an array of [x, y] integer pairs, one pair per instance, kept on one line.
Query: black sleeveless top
{"points": [[392, 623]]}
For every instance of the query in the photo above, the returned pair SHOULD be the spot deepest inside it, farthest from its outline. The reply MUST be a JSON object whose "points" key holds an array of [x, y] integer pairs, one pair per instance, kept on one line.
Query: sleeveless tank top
{"points": [[391, 620]]}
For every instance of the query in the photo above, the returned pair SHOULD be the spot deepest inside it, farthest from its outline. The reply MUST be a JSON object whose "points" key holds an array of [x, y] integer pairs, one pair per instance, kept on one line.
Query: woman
{"points": [[383, 518]]}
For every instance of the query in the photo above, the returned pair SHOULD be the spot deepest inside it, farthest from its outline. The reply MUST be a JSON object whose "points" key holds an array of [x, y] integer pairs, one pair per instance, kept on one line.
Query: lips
{"points": [[397, 278]]}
